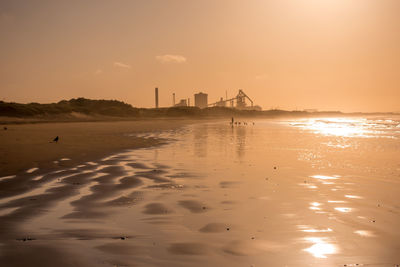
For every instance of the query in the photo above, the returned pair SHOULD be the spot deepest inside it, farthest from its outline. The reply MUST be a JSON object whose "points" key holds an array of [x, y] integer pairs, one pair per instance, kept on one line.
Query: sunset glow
{"points": [[301, 54], [199, 133]]}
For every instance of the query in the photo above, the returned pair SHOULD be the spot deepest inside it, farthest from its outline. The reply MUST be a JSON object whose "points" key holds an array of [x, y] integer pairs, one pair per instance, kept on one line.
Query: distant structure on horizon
{"points": [[182, 103], [221, 103], [201, 100], [240, 99], [156, 96]]}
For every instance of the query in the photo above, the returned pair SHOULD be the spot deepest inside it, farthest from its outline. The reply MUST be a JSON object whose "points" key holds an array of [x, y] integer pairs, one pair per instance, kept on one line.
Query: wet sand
{"points": [[263, 195], [28, 146]]}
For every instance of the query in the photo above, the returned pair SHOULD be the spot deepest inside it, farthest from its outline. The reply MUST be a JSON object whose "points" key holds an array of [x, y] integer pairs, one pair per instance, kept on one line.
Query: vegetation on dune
{"points": [[78, 108], [75, 105]]}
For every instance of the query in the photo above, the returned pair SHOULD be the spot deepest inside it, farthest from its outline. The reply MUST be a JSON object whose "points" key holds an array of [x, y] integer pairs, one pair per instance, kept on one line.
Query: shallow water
{"points": [[312, 192]]}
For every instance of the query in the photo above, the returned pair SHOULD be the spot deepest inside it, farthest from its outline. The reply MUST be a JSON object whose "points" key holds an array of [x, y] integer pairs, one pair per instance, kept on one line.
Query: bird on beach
{"points": [[55, 140]]}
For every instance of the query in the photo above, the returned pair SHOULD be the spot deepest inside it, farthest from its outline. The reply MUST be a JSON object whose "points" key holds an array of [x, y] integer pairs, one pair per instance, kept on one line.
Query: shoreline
{"points": [[274, 114], [6, 120], [29, 146]]}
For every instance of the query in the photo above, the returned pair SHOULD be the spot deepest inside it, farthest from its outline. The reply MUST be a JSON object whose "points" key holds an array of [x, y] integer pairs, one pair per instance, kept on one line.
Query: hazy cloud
{"points": [[171, 59], [98, 72], [261, 77], [122, 65]]}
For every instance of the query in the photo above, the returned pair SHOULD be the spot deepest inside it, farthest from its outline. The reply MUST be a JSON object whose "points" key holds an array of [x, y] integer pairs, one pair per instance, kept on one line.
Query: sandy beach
{"points": [[227, 133], [275, 193], [27, 146]]}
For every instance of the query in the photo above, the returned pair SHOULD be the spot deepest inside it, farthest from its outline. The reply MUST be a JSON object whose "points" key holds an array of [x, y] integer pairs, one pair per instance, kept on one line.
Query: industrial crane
{"points": [[240, 101]]}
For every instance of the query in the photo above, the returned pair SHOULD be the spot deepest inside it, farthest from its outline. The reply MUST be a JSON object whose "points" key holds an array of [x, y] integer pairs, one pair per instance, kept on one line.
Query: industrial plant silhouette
{"points": [[201, 101]]}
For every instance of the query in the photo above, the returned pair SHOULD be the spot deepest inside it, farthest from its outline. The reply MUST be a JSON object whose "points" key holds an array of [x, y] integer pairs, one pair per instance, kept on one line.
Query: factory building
{"points": [[182, 103], [221, 103], [201, 100]]}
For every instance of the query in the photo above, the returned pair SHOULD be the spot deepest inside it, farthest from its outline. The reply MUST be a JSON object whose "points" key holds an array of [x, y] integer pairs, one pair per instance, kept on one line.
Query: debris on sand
{"points": [[25, 239]]}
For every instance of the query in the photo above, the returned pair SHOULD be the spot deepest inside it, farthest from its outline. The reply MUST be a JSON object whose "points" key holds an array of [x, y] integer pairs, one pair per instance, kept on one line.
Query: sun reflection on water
{"points": [[353, 196], [309, 229], [364, 233], [321, 247], [325, 177], [334, 126], [315, 206], [343, 209], [349, 127]]}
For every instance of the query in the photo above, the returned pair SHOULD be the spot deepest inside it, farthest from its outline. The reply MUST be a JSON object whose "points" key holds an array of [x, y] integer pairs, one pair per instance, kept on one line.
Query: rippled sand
{"points": [[268, 194]]}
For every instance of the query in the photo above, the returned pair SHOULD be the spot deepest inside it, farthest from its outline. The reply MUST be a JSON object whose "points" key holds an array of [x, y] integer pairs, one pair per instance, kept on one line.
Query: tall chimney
{"points": [[173, 99], [156, 94]]}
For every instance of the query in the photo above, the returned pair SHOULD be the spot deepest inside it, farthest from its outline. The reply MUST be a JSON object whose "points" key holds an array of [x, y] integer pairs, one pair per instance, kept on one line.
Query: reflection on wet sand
{"points": [[349, 127], [200, 137], [309, 229], [364, 233], [343, 209], [321, 248], [325, 177], [240, 141], [216, 196]]}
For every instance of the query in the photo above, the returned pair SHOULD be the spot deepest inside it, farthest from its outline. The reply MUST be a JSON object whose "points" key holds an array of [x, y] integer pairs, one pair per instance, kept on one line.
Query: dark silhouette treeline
{"points": [[78, 108], [77, 105]]}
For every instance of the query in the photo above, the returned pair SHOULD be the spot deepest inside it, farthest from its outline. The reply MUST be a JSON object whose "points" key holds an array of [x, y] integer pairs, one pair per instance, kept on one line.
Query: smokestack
{"points": [[173, 99], [156, 94]]}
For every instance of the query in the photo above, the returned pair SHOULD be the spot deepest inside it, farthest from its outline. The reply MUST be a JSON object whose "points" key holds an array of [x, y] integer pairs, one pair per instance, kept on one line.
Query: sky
{"points": [[288, 54]]}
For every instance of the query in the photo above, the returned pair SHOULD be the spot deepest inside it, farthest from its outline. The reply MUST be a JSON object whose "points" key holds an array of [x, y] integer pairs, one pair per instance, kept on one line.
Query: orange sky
{"points": [[324, 54]]}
